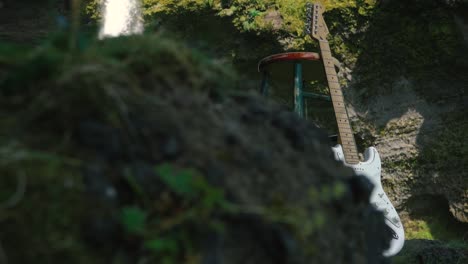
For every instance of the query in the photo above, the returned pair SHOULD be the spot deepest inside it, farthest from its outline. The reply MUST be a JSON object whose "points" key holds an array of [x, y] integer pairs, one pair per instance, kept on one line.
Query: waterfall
{"points": [[121, 17]]}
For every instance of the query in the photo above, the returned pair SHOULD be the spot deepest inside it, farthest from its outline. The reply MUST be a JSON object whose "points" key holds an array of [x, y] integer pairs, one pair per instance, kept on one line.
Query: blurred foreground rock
{"points": [[136, 151]]}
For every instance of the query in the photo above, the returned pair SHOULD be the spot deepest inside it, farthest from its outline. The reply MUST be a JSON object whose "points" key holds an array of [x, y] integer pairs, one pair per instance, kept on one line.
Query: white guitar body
{"points": [[371, 169]]}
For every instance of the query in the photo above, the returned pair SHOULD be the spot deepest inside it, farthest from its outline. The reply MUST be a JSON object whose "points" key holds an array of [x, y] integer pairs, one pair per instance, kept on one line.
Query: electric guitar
{"points": [[347, 151]]}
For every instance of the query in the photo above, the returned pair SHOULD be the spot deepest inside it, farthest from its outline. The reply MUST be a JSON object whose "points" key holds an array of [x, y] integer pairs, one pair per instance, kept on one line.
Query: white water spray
{"points": [[121, 17]]}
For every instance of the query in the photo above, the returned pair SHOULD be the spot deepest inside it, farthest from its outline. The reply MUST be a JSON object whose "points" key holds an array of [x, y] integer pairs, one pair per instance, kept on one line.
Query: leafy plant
{"points": [[188, 183], [133, 219], [167, 232]]}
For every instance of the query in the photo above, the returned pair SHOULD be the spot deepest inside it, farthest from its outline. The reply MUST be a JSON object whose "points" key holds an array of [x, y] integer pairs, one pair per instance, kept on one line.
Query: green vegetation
{"points": [[39, 121], [418, 229], [415, 40], [380, 42], [432, 220], [242, 32], [364, 34], [45, 91], [450, 151], [168, 228], [44, 198], [249, 15], [68, 206], [432, 233]]}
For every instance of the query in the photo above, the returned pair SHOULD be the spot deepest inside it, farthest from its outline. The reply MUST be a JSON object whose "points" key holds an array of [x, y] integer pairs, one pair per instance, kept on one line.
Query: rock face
{"points": [[139, 133], [421, 146], [414, 108], [431, 251]]}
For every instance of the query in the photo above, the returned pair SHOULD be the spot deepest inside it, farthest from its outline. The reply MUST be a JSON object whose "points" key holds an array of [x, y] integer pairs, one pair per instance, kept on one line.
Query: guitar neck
{"points": [[344, 127]]}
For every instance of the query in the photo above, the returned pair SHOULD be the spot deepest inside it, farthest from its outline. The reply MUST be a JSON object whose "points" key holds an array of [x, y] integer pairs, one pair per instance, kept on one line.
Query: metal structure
{"points": [[299, 61]]}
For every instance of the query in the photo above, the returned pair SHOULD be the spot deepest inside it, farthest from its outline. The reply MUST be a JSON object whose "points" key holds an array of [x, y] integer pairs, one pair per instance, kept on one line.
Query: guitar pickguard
{"points": [[371, 169]]}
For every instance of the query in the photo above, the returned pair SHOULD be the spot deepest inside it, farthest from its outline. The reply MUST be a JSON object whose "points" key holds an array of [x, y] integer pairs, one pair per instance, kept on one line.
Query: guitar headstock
{"points": [[315, 24]]}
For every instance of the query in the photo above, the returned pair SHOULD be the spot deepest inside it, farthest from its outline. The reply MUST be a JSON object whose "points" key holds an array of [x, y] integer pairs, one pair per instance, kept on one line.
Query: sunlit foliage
{"points": [[249, 15]]}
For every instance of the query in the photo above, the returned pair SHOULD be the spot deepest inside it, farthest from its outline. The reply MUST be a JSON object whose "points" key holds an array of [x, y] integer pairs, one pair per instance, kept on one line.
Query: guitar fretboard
{"points": [[344, 127]]}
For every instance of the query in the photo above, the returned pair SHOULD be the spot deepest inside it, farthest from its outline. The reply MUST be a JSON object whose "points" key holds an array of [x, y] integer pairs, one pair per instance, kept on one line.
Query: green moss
{"points": [[430, 218], [450, 150], [421, 43], [385, 41], [44, 93], [238, 32], [417, 229], [404, 164], [43, 224]]}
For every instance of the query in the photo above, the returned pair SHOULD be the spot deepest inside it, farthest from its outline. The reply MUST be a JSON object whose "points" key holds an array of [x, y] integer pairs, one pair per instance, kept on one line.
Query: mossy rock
{"points": [[131, 149], [432, 252]]}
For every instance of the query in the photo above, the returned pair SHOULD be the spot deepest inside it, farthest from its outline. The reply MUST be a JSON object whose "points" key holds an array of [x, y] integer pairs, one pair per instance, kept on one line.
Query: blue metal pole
{"points": [[264, 88], [298, 93]]}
